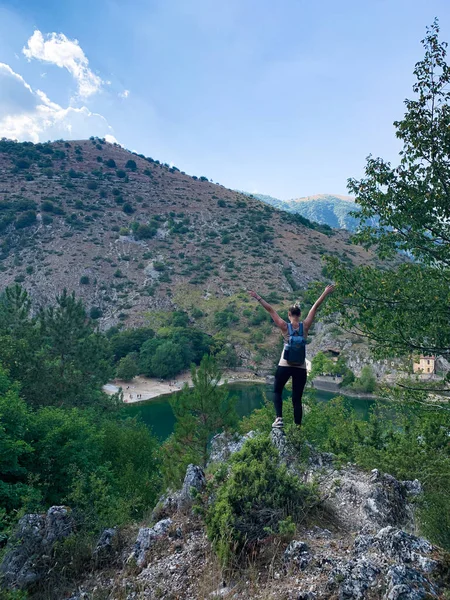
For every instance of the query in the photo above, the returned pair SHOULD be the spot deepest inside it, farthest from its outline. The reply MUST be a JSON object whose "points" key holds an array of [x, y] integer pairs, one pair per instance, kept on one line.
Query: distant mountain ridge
{"points": [[327, 209]]}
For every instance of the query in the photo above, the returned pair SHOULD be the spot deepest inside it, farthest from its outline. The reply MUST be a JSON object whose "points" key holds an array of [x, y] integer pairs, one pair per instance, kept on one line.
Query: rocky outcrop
{"points": [[393, 562], [29, 552], [147, 537], [359, 499], [223, 445], [297, 555], [107, 545], [194, 482], [169, 503], [355, 497]]}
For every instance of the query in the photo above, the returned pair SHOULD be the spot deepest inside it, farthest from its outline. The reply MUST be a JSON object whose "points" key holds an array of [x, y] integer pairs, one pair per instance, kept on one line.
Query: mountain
{"points": [[129, 234], [328, 209]]}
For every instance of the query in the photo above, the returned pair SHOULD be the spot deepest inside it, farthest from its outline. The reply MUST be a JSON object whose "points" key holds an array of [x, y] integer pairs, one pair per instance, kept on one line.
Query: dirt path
{"points": [[146, 388]]}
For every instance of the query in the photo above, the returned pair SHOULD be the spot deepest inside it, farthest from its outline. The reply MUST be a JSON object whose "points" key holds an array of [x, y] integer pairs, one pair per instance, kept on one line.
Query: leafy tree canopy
{"points": [[406, 307]]}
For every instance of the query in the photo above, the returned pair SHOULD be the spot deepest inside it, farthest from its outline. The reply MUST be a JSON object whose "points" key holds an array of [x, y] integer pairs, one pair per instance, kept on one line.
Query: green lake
{"points": [[158, 415]]}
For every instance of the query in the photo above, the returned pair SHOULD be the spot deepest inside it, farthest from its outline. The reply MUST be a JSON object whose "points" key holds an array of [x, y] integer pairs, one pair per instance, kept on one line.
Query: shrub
{"points": [[121, 174], [145, 232], [95, 313], [131, 164], [366, 382], [27, 219], [47, 206], [110, 163], [127, 367], [255, 500], [128, 209], [84, 280]]}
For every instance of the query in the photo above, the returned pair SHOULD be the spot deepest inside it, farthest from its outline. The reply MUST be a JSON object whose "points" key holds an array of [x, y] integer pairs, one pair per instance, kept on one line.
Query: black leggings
{"points": [[298, 385]]}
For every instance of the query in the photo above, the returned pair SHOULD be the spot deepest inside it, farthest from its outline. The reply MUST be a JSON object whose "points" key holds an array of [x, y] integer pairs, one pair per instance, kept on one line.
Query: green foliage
{"points": [[145, 232], [258, 498], [127, 367], [366, 382], [321, 365], [226, 318], [95, 312], [166, 361], [127, 208], [84, 280], [405, 308], [14, 450], [26, 219], [57, 355], [111, 163], [175, 349], [200, 412], [131, 164], [64, 441], [129, 341], [227, 357]]}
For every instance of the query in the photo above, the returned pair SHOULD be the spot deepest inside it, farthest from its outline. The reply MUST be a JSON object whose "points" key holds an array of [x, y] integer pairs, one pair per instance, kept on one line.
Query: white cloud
{"points": [[26, 114], [111, 139], [67, 54], [124, 94]]}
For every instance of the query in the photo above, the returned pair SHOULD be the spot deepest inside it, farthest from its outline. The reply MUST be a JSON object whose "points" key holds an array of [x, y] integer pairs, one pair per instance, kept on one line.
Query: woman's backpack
{"points": [[295, 349]]}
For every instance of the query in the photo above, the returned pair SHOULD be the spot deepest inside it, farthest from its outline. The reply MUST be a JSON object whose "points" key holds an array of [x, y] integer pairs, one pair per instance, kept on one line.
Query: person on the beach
{"points": [[292, 332]]}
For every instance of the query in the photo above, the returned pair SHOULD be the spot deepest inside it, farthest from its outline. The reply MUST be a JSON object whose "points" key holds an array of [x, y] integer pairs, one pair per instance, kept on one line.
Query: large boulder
{"points": [[358, 498], [29, 550]]}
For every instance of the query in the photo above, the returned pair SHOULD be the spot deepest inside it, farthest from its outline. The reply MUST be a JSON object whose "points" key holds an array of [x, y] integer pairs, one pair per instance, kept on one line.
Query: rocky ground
{"points": [[363, 544]]}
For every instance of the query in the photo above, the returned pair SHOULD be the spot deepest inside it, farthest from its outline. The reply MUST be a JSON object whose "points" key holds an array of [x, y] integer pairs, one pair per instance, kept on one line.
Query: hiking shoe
{"points": [[278, 423]]}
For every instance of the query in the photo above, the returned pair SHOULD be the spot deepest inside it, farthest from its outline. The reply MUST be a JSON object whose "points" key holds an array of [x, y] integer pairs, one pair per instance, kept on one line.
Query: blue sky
{"points": [[284, 98]]}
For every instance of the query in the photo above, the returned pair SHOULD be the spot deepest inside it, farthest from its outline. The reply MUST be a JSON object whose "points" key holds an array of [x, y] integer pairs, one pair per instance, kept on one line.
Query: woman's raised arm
{"points": [[272, 312]]}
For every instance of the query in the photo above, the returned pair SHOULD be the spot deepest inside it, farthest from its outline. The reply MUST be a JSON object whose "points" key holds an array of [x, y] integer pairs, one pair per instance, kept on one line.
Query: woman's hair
{"points": [[294, 310]]}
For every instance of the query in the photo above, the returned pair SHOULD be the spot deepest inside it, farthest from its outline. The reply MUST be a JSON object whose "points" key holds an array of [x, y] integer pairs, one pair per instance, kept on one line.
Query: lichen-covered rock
{"points": [[297, 554], [354, 578], [29, 549], [194, 481], [400, 545], [146, 538], [223, 445], [408, 584], [359, 499]]}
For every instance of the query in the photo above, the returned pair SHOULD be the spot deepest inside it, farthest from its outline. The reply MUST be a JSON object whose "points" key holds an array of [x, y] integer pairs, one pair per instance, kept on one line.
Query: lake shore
{"points": [[142, 389]]}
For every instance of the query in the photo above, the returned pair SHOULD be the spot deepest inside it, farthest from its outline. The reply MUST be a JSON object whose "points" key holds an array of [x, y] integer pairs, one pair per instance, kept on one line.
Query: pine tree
{"points": [[200, 412]]}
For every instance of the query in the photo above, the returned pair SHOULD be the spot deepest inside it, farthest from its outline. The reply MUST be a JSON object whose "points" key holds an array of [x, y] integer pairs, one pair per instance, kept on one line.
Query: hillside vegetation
{"points": [[127, 233]]}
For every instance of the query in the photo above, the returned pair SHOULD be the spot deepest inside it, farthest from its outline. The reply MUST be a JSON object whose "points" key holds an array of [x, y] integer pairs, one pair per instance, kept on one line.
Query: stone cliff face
{"points": [[356, 351], [365, 547]]}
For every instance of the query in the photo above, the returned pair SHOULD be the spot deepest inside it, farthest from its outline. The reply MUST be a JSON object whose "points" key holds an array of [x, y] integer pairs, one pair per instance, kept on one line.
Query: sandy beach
{"points": [[141, 389]]}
